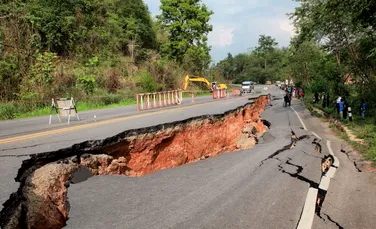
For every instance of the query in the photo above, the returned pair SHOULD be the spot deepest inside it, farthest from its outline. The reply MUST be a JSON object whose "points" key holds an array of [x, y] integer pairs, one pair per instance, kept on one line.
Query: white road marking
{"points": [[324, 184], [306, 220], [304, 126], [308, 213], [329, 147], [331, 172], [316, 135]]}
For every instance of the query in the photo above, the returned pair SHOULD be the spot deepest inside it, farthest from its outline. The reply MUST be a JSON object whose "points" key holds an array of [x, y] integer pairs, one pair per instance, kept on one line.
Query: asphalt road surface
{"points": [[263, 187]]}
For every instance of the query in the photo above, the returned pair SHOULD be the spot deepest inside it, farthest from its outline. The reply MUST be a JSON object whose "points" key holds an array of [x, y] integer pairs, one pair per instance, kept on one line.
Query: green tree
{"points": [[266, 45], [187, 25], [86, 79]]}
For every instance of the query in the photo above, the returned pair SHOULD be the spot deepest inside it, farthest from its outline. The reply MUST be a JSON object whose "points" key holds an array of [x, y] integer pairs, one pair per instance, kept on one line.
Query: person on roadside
{"points": [[327, 99], [344, 108], [297, 93], [316, 98], [301, 93], [338, 101], [285, 100], [363, 109], [290, 97], [341, 107]]}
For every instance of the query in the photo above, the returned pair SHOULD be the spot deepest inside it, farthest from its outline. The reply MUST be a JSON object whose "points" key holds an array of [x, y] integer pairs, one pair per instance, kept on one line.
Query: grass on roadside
{"points": [[25, 110], [363, 129]]}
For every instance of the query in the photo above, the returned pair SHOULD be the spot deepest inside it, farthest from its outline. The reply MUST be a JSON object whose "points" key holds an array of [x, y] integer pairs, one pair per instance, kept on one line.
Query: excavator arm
{"points": [[195, 79], [203, 80]]}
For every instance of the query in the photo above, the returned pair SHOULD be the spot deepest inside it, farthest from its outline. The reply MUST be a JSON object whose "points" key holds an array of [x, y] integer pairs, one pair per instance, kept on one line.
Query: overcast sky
{"points": [[238, 23]]}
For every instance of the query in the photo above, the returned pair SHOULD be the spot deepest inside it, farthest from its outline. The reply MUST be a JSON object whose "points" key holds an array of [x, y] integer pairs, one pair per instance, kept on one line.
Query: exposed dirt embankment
{"points": [[41, 200]]}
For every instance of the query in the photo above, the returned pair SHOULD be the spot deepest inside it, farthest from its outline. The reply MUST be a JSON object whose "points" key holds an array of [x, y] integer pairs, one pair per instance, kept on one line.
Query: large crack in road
{"points": [[41, 200], [297, 173]]}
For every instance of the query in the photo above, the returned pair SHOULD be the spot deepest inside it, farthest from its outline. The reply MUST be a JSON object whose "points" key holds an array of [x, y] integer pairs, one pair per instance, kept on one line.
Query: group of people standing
{"points": [[342, 107], [324, 98]]}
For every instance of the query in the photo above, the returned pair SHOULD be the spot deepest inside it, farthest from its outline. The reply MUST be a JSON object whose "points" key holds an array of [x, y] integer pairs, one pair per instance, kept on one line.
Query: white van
{"points": [[247, 86]]}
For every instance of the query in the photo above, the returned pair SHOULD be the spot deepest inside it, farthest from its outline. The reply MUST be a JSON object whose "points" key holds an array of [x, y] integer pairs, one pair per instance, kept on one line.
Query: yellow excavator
{"points": [[211, 86]]}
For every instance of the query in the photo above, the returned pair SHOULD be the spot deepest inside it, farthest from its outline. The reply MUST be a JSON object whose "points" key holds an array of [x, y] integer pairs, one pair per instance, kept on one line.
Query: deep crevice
{"points": [[294, 140], [318, 147], [320, 201], [299, 168], [298, 176], [266, 123], [15, 155], [330, 219], [286, 147], [356, 167], [132, 153]]}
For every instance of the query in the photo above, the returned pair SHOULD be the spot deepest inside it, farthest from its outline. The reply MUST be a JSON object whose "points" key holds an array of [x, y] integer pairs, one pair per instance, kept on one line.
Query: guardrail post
{"points": [[142, 101], [138, 103], [148, 98], [163, 99], [154, 101], [168, 98], [160, 99]]}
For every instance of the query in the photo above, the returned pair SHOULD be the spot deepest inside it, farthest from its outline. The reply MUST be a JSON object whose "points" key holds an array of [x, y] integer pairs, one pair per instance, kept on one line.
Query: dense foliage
{"points": [[186, 22], [52, 48], [263, 63]]}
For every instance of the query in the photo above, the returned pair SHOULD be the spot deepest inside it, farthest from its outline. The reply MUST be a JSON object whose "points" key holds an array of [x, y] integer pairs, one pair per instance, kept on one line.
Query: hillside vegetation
{"points": [[99, 52]]}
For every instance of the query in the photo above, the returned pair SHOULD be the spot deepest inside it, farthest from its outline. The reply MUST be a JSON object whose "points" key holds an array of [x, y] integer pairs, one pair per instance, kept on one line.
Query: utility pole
{"points": [[131, 48]]}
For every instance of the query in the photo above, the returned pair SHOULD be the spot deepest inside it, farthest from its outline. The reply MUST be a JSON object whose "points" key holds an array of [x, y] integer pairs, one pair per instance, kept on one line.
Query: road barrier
{"points": [[219, 93], [236, 92], [64, 107], [154, 100]]}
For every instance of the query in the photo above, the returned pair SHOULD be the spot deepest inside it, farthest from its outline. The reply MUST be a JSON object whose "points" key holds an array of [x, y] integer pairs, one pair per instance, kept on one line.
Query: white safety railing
{"points": [[155, 100]]}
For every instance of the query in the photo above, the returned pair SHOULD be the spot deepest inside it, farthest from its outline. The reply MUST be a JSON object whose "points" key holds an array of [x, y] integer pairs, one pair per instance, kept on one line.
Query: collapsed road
{"points": [[176, 175]]}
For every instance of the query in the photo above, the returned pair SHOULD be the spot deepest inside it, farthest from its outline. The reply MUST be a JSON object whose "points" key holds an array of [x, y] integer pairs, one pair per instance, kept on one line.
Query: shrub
{"points": [[147, 82], [86, 79], [111, 99], [8, 111], [112, 83], [372, 153], [87, 83]]}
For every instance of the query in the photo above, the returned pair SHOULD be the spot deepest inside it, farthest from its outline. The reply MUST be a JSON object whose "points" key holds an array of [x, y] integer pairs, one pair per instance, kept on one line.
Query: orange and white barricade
{"points": [[236, 92], [155, 100], [219, 93]]}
